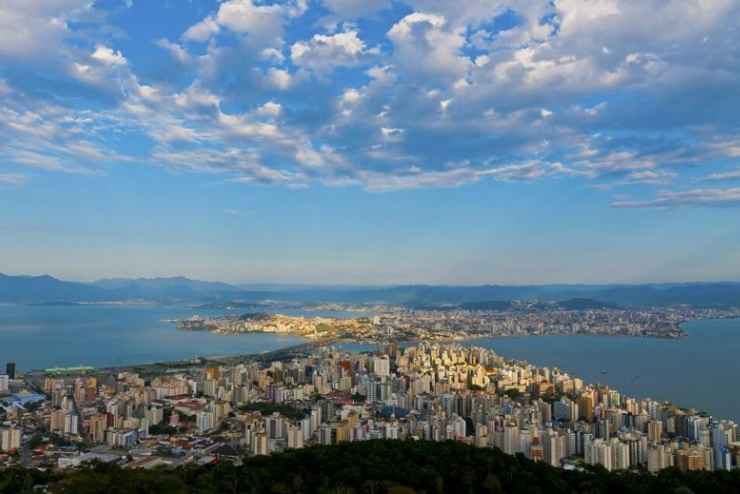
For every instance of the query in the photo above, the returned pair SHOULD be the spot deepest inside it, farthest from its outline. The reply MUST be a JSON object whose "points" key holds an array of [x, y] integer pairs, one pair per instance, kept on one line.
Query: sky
{"points": [[371, 141]]}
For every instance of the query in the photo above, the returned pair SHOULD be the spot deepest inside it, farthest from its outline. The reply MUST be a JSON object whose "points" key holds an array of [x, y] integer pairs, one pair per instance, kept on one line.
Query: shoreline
{"points": [[185, 362]]}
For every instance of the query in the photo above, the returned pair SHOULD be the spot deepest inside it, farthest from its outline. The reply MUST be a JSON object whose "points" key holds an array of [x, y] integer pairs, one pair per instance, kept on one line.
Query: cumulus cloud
{"points": [[202, 31], [175, 50], [323, 53], [362, 94], [107, 56], [426, 44], [270, 109], [279, 78], [30, 29], [260, 24]]}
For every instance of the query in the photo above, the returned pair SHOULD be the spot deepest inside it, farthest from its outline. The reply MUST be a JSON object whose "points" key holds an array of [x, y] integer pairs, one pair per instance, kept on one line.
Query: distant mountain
{"points": [[697, 294], [585, 304], [176, 288], [726, 294], [45, 289], [34, 289], [493, 305]]}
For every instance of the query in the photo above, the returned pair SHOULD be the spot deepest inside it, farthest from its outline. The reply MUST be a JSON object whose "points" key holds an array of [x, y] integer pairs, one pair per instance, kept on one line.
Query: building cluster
{"points": [[315, 328], [10, 435], [430, 391], [458, 323], [536, 321]]}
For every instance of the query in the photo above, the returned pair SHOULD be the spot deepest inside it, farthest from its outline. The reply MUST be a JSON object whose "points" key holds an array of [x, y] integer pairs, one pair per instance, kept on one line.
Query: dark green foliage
{"points": [[585, 304], [490, 305], [513, 393], [373, 467], [266, 408], [162, 429]]}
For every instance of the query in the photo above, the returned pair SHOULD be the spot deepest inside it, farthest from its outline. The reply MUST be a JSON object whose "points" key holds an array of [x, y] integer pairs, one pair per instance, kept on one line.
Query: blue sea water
{"points": [[700, 371], [106, 335]]}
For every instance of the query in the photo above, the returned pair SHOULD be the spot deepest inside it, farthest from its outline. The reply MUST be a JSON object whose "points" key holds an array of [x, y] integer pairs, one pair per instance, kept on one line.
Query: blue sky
{"points": [[371, 141]]}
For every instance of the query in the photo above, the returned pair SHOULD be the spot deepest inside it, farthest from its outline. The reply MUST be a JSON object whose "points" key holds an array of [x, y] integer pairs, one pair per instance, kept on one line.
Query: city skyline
{"points": [[373, 143]]}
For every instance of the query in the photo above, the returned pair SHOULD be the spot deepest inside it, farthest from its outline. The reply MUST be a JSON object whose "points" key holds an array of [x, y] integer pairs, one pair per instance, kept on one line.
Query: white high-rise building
{"points": [[10, 439], [204, 421], [4, 383], [295, 437], [382, 366], [511, 438], [71, 423]]}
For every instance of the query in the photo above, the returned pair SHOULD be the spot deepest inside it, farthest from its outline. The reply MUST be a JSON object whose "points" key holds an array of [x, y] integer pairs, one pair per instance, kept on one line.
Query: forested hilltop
{"points": [[372, 467]]}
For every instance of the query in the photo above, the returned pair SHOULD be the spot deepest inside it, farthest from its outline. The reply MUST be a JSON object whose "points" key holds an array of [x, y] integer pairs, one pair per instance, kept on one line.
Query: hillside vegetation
{"points": [[372, 467]]}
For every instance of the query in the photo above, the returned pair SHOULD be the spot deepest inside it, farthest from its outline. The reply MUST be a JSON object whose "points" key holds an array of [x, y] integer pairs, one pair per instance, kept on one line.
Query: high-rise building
{"points": [[382, 366], [586, 406], [10, 439], [10, 369], [4, 385], [655, 431]]}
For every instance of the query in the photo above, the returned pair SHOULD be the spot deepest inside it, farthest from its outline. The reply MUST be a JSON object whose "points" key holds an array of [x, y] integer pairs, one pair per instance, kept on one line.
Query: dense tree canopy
{"points": [[372, 467]]}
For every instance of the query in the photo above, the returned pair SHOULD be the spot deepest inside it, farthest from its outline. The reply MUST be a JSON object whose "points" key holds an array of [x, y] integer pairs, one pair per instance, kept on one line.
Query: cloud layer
{"points": [[637, 99]]}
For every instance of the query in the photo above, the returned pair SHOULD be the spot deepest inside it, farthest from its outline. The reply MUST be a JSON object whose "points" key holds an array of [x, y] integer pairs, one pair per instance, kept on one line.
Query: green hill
{"points": [[372, 467]]}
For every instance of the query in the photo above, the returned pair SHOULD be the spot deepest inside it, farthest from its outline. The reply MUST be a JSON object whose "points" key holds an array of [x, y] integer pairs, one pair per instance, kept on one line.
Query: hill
{"points": [[44, 289], [32, 289], [174, 288], [372, 467]]}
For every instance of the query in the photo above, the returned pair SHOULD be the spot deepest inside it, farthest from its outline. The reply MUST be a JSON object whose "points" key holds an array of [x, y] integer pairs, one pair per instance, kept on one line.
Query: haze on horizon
{"points": [[371, 142]]}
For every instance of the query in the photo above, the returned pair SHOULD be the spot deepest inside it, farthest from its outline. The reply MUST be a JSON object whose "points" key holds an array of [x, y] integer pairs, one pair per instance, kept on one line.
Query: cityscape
{"points": [[433, 324], [369, 246], [203, 411]]}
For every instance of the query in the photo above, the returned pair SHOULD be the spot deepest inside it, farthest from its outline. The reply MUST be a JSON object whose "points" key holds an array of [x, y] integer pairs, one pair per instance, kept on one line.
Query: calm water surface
{"points": [[701, 371], [103, 335]]}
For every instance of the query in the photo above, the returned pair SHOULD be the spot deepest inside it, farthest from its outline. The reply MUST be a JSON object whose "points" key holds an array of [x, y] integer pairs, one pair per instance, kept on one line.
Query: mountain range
{"points": [[47, 289]]}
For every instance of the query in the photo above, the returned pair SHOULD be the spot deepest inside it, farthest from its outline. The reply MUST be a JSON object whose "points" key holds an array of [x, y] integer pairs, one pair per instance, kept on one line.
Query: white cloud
{"points": [[426, 45], [12, 179], [351, 96], [323, 53], [404, 28], [722, 176], [37, 29], [391, 133], [243, 16], [197, 96], [279, 78], [272, 54], [108, 57], [259, 23], [270, 109], [554, 94], [693, 197], [202, 31], [45, 162], [176, 51]]}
